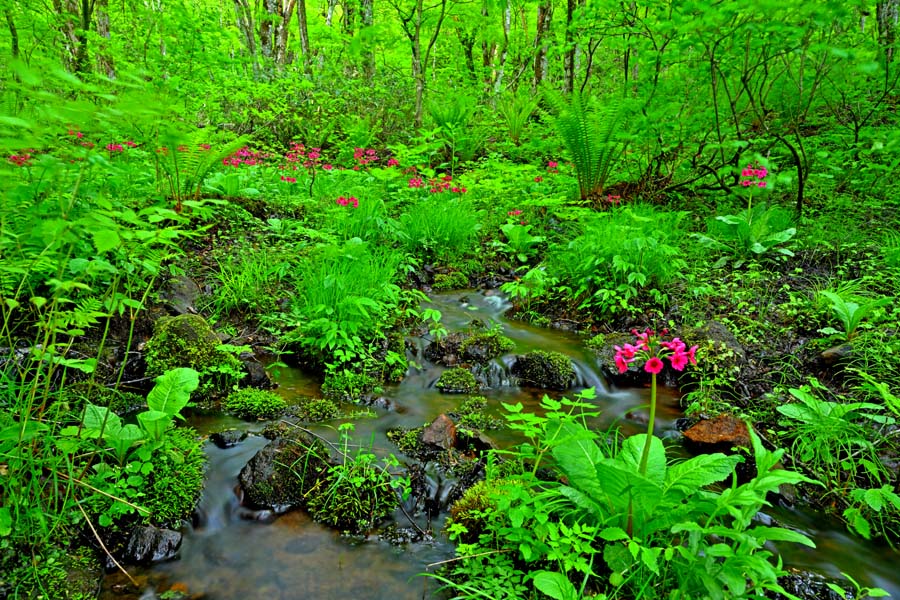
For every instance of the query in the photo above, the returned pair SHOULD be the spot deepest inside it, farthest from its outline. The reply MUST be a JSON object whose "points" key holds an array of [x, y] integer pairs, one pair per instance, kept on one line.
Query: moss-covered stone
{"points": [[450, 281], [279, 476], [484, 346], [252, 404], [545, 370], [348, 386], [176, 480], [472, 414], [353, 496], [315, 410], [189, 341], [457, 381]]}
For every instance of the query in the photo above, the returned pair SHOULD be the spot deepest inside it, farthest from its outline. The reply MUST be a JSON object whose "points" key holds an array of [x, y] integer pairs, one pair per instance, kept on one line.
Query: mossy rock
{"points": [[457, 381], [177, 478], [348, 386], [279, 476], [476, 505], [315, 410], [188, 341], [545, 370], [408, 441], [472, 414], [353, 497], [450, 281], [251, 404], [484, 346]]}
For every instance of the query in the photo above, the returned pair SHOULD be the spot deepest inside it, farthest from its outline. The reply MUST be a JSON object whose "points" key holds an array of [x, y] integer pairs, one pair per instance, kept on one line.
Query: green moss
{"points": [[73, 574], [252, 404], [354, 496], [450, 281], [347, 386], [484, 346], [597, 342], [315, 410], [409, 441], [176, 480], [476, 507], [457, 381], [189, 341], [547, 370], [471, 414]]}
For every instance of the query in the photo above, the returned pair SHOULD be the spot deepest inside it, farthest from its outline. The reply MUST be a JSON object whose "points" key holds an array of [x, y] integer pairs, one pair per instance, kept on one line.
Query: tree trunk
{"points": [[329, 12], [104, 58], [504, 51], [304, 36], [282, 32], [569, 60], [348, 20], [367, 16], [13, 33], [68, 11], [887, 12], [541, 43], [244, 14], [467, 41]]}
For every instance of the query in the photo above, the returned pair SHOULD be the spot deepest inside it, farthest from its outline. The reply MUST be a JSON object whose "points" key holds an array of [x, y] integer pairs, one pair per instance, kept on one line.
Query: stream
{"points": [[234, 554]]}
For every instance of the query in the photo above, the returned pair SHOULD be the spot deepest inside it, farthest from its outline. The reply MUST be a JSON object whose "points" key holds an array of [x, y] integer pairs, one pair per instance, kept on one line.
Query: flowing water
{"points": [[235, 554]]}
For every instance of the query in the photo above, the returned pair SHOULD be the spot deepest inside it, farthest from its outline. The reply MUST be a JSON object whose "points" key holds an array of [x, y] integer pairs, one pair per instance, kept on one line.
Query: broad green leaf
{"points": [[631, 451], [155, 423], [780, 534], [100, 418], [698, 472], [173, 390], [555, 585], [105, 240]]}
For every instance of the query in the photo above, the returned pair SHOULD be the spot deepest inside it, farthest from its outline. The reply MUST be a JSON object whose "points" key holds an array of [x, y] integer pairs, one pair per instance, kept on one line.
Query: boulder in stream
{"points": [[152, 544], [441, 433], [278, 476], [545, 370]]}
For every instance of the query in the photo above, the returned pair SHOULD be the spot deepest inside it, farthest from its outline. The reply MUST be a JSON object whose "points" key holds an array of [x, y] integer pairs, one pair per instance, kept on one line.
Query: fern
{"points": [[184, 163], [590, 135], [516, 110]]}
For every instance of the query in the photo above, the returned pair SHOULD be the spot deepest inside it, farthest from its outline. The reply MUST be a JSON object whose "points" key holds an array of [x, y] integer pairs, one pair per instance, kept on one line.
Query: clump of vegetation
{"points": [[356, 493], [471, 415], [546, 370], [347, 385], [316, 410], [251, 404], [176, 479], [450, 281], [457, 381], [409, 441]]}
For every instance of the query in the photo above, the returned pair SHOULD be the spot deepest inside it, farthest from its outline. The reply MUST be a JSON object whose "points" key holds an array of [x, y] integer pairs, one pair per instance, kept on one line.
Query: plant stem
{"points": [[646, 453]]}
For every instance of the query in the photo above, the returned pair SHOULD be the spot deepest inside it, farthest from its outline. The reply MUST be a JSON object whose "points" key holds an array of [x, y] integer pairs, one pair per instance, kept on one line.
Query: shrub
{"points": [[251, 404]]}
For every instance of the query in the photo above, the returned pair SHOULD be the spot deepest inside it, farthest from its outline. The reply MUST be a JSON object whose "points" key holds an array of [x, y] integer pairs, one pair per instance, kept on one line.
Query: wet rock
{"points": [[185, 341], [180, 294], [719, 434], [278, 476], [545, 370], [228, 438], [257, 376], [152, 544], [837, 354], [808, 586], [441, 433]]}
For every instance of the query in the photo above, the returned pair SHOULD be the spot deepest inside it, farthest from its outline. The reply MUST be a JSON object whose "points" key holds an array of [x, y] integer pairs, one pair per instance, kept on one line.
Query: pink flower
{"points": [[20, 160], [115, 147], [692, 355], [643, 339], [416, 182], [761, 184], [393, 162], [514, 213], [327, 166], [653, 365], [679, 360], [77, 134], [202, 146], [552, 164], [538, 179], [354, 202], [622, 363]]}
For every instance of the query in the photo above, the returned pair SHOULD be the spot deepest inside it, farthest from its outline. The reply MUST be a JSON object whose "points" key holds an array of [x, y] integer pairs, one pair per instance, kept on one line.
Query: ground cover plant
{"points": [[185, 187]]}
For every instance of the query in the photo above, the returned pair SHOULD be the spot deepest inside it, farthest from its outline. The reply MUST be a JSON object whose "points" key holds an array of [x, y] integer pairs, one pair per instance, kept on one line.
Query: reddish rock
{"points": [[441, 433], [719, 434]]}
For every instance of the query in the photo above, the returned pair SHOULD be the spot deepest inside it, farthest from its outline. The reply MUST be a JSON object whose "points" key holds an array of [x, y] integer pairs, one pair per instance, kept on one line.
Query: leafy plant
{"points": [[438, 228], [753, 232], [851, 314], [519, 243], [834, 440], [590, 135], [516, 110]]}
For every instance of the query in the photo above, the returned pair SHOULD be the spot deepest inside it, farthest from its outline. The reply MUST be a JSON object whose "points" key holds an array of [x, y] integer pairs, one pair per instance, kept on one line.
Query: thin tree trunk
{"points": [[283, 32], [367, 16], [68, 11], [348, 20], [504, 52], [569, 59], [541, 44], [104, 58], [329, 12], [13, 33], [887, 13], [467, 41], [304, 36], [244, 14]]}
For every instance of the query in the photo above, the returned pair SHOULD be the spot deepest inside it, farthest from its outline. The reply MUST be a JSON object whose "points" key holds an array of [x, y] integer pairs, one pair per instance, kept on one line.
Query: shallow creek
{"points": [[233, 554]]}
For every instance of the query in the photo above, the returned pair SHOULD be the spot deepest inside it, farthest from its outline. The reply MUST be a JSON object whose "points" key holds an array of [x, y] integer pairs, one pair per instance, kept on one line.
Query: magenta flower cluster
{"points": [[21, 160], [754, 175], [652, 350], [244, 156], [351, 201]]}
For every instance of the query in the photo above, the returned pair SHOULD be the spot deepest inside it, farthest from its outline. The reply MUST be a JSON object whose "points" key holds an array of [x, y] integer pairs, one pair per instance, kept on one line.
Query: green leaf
{"points": [[155, 423], [780, 534], [105, 239], [5, 521], [173, 390], [555, 585], [100, 418], [633, 447], [690, 476]]}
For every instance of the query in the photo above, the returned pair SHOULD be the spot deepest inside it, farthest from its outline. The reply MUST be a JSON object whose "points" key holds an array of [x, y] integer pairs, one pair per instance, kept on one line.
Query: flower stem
{"points": [[650, 425]]}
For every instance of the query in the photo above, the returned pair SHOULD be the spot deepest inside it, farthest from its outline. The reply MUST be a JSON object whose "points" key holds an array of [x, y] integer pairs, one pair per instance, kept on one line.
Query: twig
{"points": [[102, 545], [140, 509], [450, 560]]}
